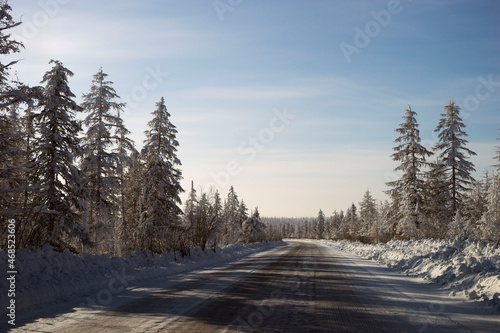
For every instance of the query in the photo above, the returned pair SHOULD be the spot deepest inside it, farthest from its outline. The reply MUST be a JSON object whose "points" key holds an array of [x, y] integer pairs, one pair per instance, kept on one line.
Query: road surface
{"points": [[302, 287]]}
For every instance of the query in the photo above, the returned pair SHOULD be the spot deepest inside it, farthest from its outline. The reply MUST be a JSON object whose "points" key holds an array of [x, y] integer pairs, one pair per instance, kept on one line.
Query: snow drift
{"points": [[467, 268]]}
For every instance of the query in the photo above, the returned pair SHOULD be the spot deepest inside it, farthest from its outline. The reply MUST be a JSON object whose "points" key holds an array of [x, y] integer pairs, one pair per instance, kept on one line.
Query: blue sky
{"points": [[264, 94]]}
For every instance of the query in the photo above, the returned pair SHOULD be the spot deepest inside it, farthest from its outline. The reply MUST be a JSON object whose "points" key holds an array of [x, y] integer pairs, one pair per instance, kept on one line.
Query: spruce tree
{"points": [[497, 156], [253, 228], [232, 226], [59, 202], [368, 214], [159, 226], [320, 225], [99, 163], [436, 200], [11, 166], [407, 192], [454, 155]]}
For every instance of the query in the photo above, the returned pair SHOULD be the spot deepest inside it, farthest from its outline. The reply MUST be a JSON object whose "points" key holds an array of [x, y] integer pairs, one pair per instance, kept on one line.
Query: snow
{"points": [[45, 276], [466, 269]]}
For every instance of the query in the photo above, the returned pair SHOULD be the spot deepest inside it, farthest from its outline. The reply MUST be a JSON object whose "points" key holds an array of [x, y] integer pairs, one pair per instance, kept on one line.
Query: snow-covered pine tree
{"points": [[11, 169], [132, 191], [497, 156], [436, 201], [160, 225], [232, 226], [125, 150], [454, 155], [489, 225], [368, 215], [407, 191], [253, 228], [99, 164], [476, 204], [216, 222], [352, 222], [59, 202], [320, 225]]}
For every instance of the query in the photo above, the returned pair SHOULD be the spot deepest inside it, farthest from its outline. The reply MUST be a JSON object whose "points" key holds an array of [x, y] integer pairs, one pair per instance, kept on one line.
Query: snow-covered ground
{"points": [[45, 276], [465, 268]]}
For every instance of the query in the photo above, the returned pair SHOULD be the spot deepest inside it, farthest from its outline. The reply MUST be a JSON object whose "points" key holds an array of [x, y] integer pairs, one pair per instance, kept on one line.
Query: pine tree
{"points": [[11, 168], [132, 191], [352, 222], [489, 226], [407, 191], [59, 202], [232, 226], [368, 215], [436, 199], [253, 228], [497, 156], [160, 225], [320, 225], [99, 163], [454, 155]]}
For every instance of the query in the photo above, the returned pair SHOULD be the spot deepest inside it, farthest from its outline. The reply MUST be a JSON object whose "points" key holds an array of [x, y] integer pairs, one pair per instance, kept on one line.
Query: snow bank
{"points": [[45, 276], [466, 268]]}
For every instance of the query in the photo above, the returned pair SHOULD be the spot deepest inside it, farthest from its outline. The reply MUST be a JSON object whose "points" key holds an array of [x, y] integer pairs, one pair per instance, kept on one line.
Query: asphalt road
{"points": [[301, 287], [297, 288]]}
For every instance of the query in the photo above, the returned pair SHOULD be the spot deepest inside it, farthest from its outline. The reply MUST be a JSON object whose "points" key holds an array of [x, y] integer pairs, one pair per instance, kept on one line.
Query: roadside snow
{"points": [[465, 268], [45, 276]]}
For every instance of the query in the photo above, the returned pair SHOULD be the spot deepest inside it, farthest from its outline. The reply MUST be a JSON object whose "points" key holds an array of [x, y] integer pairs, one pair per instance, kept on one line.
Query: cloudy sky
{"points": [[293, 102]]}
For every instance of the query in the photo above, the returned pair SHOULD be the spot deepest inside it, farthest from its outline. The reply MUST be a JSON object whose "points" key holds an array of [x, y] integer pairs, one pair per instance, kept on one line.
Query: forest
{"points": [[70, 176], [435, 197]]}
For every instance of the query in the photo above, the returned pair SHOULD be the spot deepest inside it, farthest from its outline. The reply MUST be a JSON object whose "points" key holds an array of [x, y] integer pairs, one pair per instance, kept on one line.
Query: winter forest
{"points": [[71, 176], [435, 196]]}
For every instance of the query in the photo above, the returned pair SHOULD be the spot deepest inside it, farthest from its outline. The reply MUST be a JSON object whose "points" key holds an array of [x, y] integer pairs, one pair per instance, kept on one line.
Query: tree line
{"points": [[71, 176], [434, 197]]}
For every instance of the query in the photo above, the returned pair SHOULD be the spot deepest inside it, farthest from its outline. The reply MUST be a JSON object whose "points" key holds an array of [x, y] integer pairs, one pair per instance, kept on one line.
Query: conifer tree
{"points": [[253, 228], [159, 225], [320, 225], [454, 155], [133, 192], [232, 225], [407, 191], [11, 168], [59, 202], [368, 215], [99, 163], [436, 200], [497, 156], [489, 226]]}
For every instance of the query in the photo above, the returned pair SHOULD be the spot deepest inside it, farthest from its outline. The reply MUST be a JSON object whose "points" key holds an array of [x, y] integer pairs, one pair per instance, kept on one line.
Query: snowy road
{"points": [[303, 287]]}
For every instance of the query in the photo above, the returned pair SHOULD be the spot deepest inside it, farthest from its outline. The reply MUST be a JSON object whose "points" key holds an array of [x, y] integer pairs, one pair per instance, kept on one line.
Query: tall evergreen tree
{"points": [[59, 202], [99, 163], [368, 214], [454, 155], [407, 191], [232, 225], [133, 192], [497, 156], [11, 169], [161, 188], [436, 200], [320, 225]]}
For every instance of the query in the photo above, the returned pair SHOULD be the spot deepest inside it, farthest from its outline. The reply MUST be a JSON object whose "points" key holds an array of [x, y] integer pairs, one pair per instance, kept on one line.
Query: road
{"points": [[302, 287]]}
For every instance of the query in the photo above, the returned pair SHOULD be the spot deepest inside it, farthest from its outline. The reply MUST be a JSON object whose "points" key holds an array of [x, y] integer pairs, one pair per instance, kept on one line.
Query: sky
{"points": [[294, 103]]}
